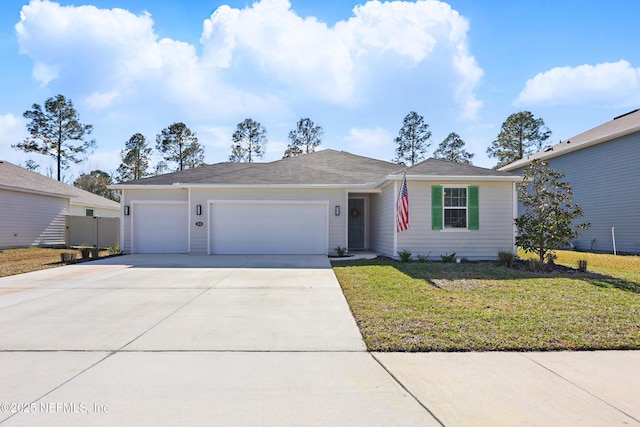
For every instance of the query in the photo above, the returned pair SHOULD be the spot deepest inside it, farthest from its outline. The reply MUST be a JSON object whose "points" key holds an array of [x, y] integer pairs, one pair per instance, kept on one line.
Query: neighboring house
{"points": [[33, 208], [603, 167], [313, 203]]}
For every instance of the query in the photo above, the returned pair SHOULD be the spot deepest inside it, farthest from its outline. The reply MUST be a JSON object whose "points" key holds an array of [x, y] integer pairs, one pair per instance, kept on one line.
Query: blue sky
{"points": [[354, 68]]}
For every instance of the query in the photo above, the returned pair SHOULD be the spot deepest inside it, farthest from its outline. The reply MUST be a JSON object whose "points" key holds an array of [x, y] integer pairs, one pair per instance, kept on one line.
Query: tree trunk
{"points": [[59, 158]]}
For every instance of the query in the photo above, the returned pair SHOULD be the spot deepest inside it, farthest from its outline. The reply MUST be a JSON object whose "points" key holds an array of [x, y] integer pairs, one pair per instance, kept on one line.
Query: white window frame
{"points": [[444, 208]]}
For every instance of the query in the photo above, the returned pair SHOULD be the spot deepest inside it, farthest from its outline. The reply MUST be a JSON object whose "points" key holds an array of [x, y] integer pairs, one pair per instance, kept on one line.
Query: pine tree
{"points": [[452, 149], [521, 134], [135, 159], [180, 145], [412, 140], [305, 138], [249, 141], [54, 131]]}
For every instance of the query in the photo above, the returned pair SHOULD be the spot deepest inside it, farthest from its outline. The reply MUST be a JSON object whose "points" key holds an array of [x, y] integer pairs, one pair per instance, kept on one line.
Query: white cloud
{"points": [[302, 52], [330, 63], [616, 83], [275, 150], [112, 57], [12, 131], [107, 161], [371, 142], [10, 126], [100, 101], [215, 136], [249, 55]]}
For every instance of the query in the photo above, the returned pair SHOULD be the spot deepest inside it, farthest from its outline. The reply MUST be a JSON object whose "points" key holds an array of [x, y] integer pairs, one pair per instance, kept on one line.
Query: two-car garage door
{"points": [[268, 227], [235, 227]]}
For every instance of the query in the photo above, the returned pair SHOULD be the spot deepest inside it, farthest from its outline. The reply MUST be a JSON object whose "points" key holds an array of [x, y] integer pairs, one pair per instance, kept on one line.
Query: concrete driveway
{"points": [[269, 340], [189, 340]]}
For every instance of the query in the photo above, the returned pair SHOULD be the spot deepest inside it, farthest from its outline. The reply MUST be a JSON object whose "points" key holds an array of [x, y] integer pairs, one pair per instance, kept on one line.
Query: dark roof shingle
{"points": [[325, 167], [439, 167], [20, 179]]}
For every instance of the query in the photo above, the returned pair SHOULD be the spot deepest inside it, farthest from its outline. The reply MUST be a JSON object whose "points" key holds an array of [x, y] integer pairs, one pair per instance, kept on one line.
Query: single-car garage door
{"points": [[160, 228], [273, 227]]}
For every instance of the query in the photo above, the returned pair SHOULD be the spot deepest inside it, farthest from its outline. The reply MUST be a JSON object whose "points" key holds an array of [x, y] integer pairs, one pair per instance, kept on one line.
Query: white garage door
{"points": [[160, 228], [268, 228]]}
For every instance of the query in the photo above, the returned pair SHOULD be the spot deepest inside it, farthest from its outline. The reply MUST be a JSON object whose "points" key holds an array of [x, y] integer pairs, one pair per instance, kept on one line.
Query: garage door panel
{"points": [[160, 228], [268, 228]]}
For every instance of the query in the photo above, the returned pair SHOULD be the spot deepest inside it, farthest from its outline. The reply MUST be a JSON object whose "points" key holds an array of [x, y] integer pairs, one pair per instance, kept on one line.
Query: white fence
{"points": [[93, 231]]}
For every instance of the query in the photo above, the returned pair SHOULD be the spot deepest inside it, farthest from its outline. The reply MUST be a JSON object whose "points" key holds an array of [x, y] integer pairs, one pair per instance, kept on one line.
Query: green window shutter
{"points": [[436, 207], [474, 208]]}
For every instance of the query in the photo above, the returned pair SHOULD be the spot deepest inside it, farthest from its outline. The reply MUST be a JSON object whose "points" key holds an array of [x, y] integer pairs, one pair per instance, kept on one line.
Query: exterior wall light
{"points": [[198, 209], [337, 210], [127, 210]]}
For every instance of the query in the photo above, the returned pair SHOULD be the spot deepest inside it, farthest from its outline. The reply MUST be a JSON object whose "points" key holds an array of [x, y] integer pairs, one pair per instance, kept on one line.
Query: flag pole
{"points": [[402, 206], [404, 177]]}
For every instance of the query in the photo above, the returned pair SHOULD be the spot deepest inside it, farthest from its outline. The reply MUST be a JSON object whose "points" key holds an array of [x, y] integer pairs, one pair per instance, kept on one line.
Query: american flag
{"points": [[402, 206]]}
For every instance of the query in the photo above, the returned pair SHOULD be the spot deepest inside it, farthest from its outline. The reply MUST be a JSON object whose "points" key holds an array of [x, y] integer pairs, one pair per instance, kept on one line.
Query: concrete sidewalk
{"points": [[233, 340], [599, 388]]}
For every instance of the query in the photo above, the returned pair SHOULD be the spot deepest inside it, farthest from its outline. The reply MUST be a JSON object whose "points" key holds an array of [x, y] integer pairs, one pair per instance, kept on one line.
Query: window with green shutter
{"points": [[436, 207], [455, 208], [474, 208]]}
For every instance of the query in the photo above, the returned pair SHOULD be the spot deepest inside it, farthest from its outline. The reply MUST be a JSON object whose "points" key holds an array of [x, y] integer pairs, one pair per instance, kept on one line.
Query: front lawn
{"points": [[479, 306]]}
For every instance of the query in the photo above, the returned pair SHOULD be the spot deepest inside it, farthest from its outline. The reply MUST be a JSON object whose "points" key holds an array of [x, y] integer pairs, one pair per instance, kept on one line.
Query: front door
{"points": [[356, 223]]}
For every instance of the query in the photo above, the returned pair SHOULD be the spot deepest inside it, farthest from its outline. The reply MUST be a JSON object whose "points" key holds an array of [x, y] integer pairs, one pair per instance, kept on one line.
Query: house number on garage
{"points": [[199, 223]]}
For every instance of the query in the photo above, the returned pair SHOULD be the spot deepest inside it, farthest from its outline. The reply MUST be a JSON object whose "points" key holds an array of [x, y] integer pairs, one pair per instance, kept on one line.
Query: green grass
{"points": [[620, 267], [479, 306]]}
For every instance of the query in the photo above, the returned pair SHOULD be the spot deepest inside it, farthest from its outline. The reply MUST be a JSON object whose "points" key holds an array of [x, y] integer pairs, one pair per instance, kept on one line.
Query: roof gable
{"points": [[19, 179], [446, 168]]}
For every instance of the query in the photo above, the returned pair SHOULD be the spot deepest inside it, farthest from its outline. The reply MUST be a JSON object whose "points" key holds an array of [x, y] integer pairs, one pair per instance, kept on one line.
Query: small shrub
{"points": [[405, 255], [582, 265], [551, 258], [422, 257], [506, 258], [448, 259], [95, 253], [114, 250], [536, 265], [84, 252], [340, 251], [67, 257]]}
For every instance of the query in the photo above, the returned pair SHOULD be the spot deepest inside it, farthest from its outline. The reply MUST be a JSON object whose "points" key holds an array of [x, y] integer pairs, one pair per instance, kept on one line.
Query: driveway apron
{"points": [[190, 340]]}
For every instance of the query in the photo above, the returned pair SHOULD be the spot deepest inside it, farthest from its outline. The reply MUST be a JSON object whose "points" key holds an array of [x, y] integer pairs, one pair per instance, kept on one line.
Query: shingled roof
{"points": [[325, 167], [15, 178], [444, 168], [625, 124]]}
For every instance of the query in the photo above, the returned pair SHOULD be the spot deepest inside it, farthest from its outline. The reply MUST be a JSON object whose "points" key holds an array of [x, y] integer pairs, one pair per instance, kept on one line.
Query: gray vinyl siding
{"points": [[28, 219], [606, 183], [128, 196], [496, 223], [382, 229], [335, 197]]}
